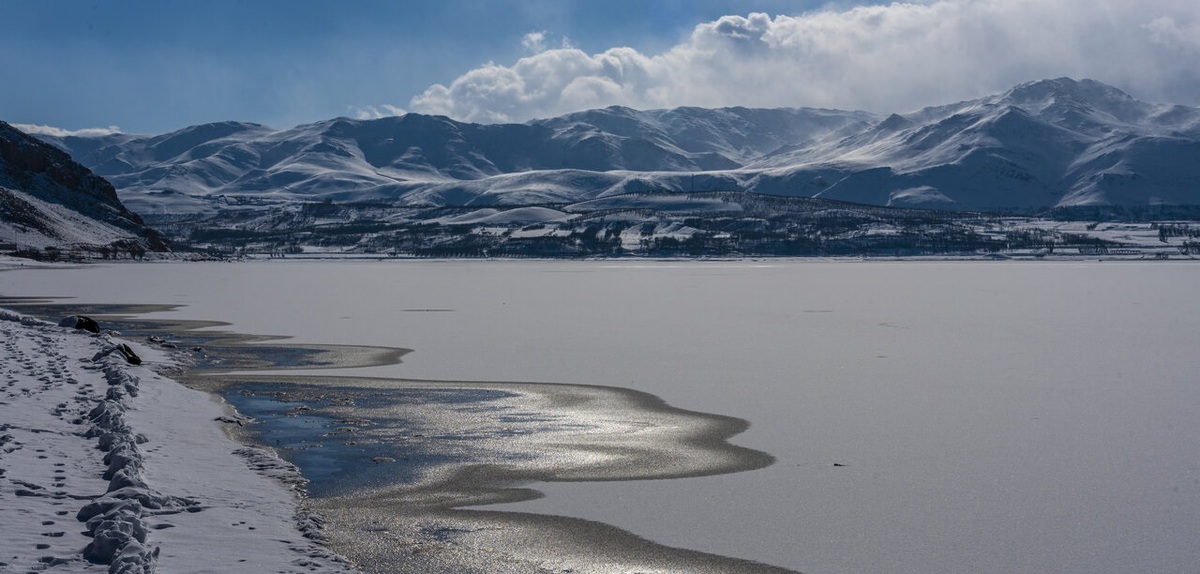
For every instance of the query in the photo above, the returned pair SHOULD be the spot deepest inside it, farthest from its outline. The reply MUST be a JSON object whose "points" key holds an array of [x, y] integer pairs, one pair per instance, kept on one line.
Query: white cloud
{"points": [[534, 42], [38, 130], [1171, 33], [884, 58]]}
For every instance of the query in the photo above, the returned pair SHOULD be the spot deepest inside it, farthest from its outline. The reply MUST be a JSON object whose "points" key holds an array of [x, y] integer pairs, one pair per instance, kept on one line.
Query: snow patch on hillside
{"points": [[52, 224]]}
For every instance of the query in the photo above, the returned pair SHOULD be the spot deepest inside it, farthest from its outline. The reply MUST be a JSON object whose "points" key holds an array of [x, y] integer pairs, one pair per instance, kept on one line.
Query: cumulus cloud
{"points": [[38, 130], [883, 58]]}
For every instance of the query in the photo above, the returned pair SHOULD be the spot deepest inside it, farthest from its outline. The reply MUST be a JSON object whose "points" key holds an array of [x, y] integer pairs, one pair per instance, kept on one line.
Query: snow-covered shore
{"points": [[110, 466]]}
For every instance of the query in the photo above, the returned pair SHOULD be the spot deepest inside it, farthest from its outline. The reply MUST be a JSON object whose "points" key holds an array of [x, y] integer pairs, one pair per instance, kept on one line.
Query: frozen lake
{"points": [[931, 417]]}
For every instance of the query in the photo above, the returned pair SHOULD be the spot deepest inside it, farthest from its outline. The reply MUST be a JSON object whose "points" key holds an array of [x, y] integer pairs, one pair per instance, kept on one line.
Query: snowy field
{"points": [[934, 417], [109, 467]]}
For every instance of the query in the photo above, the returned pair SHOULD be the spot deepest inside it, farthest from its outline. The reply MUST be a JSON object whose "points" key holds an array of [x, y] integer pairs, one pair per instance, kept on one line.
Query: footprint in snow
{"points": [[29, 485]]}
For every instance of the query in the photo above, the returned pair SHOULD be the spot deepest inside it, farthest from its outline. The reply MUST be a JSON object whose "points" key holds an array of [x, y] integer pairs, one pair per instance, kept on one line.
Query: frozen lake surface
{"points": [[932, 417]]}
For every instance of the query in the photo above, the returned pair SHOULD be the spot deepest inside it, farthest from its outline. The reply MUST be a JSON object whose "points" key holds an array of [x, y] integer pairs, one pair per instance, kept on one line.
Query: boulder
{"points": [[130, 357], [80, 322]]}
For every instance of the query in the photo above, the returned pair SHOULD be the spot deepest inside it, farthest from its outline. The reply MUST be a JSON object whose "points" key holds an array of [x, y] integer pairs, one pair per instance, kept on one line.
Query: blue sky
{"points": [[156, 66]]}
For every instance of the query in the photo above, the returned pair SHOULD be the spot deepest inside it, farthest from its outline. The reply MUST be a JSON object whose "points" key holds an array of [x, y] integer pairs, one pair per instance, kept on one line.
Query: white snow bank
{"points": [[88, 437]]}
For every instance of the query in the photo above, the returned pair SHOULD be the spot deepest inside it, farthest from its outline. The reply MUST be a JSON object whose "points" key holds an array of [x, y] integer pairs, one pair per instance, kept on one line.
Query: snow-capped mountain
{"points": [[47, 200], [417, 159], [1042, 144]]}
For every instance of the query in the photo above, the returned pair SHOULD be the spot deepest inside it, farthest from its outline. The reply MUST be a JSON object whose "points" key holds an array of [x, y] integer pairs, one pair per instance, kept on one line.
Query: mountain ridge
{"points": [[1042, 144]]}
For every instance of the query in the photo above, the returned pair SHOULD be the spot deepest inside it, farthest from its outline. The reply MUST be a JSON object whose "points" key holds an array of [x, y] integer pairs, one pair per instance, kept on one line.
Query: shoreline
{"points": [[90, 437], [427, 523], [440, 521]]}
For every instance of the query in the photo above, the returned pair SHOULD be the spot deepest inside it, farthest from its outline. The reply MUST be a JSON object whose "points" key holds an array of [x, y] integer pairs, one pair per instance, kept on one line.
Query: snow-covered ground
{"points": [[84, 435]]}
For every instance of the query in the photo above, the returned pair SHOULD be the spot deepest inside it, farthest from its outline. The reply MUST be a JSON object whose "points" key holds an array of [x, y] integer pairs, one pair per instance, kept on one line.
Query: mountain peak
{"points": [[1065, 88], [895, 122], [1060, 94]]}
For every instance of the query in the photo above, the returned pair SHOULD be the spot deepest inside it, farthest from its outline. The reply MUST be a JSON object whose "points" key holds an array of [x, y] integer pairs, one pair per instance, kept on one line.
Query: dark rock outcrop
{"points": [[81, 322]]}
